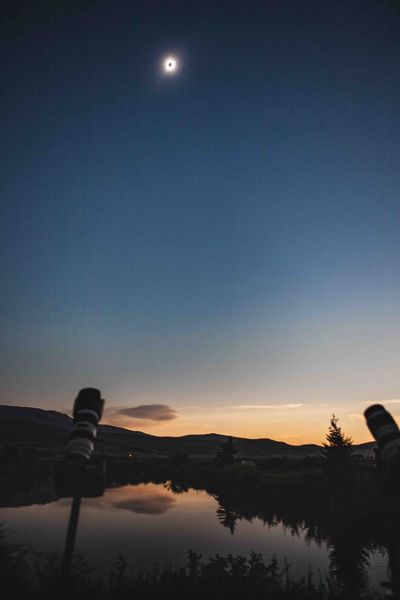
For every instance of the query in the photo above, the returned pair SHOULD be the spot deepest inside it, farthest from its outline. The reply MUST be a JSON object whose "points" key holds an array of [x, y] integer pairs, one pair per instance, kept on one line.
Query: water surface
{"points": [[148, 523]]}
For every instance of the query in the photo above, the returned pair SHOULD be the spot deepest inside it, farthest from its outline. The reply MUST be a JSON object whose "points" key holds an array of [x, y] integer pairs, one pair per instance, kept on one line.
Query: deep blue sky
{"points": [[228, 236]]}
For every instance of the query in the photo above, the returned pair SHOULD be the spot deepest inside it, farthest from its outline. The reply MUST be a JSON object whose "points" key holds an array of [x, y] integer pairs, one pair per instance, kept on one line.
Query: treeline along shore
{"points": [[294, 492], [332, 497]]}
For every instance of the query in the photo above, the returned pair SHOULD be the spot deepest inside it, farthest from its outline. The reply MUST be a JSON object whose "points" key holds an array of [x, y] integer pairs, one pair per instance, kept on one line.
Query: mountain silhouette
{"points": [[48, 429]]}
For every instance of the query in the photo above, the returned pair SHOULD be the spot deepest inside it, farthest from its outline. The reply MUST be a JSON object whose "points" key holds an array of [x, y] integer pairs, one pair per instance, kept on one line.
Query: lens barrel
{"points": [[88, 409], [385, 431]]}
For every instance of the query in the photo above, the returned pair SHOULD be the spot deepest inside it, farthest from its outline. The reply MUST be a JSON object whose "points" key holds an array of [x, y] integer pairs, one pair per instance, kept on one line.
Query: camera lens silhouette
{"points": [[78, 473], [387, 435], [88, 409]]}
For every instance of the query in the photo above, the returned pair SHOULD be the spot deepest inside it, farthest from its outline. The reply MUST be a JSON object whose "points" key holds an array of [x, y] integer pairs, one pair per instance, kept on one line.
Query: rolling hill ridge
{"points": [[48, 430]]}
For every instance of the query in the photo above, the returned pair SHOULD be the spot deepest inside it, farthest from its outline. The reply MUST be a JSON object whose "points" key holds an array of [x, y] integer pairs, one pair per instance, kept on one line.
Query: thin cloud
{"points": [[150, 412], [267, 406], [356, 416], [392, 401]]}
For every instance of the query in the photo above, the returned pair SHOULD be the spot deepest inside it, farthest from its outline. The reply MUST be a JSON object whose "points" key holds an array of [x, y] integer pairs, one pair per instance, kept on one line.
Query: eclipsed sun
{"points": [[170, 65]]}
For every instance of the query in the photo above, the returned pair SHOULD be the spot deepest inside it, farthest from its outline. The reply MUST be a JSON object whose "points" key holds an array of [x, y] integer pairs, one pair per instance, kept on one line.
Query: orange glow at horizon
{"points": [[295, 425]]}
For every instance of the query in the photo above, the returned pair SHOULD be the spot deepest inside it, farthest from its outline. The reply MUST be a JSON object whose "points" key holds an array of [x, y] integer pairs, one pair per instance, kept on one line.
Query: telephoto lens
{"points": [[79, 473], [387, 435], [88, 409]]}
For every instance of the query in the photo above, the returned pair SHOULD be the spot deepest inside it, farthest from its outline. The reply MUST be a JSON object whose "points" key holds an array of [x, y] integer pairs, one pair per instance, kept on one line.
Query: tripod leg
{"points": [[71, 536]]}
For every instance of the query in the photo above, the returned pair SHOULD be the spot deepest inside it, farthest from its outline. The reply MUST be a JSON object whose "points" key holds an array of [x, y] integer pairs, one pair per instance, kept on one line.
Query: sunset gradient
{"points": [[221, 245]]}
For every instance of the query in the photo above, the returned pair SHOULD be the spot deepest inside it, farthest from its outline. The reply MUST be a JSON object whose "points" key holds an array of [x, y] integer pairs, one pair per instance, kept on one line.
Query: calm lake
{"points": [[148, 523]]}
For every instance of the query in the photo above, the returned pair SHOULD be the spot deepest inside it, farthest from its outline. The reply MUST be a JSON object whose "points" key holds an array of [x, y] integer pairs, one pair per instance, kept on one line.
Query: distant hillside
{"points": [[52, 417], [48, 429]]}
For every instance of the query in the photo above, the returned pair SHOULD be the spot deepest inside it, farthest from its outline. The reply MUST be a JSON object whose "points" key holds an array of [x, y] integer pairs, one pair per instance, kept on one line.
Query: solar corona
{"points": [[170, 65]]}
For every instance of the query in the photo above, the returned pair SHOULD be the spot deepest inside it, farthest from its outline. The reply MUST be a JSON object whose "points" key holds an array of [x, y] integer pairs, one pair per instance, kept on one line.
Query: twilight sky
{"points": [[217, 249]]}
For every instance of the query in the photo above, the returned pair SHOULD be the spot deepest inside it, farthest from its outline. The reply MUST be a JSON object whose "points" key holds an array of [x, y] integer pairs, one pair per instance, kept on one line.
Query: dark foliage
{"points": [[339, 463], [33, 576], [226, 452]]}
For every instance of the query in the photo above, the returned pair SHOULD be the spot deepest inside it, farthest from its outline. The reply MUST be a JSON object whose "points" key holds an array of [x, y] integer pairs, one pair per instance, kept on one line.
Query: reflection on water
{"points": [[143, 499], [150, 523], [151, 505], [227, 518]]}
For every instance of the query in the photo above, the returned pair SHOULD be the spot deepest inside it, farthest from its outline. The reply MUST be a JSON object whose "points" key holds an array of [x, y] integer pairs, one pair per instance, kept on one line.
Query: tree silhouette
{"points": [[226, 452], [337, 443], [338, 457], [227, 518]]}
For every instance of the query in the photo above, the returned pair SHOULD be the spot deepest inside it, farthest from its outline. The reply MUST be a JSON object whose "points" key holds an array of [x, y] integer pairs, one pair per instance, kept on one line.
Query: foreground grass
{"points": [[28, 574]]}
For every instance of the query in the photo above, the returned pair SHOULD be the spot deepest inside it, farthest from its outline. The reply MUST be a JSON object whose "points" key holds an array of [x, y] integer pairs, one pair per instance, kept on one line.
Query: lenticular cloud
{"points": [[152, 412]]}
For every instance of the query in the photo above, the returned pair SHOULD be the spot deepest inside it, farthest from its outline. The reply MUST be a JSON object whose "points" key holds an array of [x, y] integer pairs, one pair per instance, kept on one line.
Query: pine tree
{"points": [[338, 451], [226, 452]]}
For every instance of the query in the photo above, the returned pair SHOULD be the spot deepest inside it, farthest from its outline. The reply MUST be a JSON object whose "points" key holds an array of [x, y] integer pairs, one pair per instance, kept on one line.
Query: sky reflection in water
{"points": [[147, 523]]}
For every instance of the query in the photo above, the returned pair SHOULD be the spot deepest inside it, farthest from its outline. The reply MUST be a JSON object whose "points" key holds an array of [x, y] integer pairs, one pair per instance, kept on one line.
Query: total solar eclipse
{"points": [[170, 65]]}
